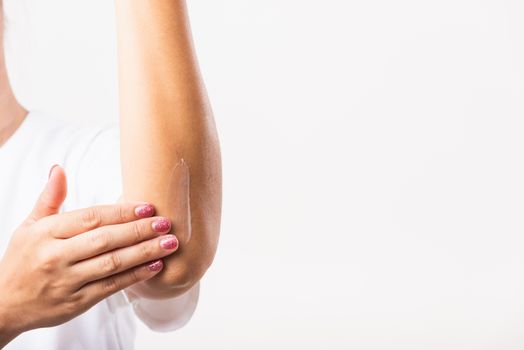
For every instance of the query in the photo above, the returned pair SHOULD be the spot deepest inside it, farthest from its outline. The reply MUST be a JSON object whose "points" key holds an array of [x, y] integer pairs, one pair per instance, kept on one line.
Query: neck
{"points": [[12, 114]]}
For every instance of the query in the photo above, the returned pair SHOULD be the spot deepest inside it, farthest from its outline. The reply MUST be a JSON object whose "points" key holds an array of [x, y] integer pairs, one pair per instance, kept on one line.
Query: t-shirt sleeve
{"points": [[99, 181]]}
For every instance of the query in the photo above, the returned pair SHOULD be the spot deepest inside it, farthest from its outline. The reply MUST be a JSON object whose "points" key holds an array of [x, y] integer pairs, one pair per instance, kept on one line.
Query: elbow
{"points": [[198, 256], [188, 269], [192, 270]]}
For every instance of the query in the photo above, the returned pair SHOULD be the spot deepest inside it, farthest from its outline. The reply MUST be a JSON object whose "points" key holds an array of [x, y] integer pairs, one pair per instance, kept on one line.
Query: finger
{"points": [[111, 237], [67, 225], [52, 196], [96, 291], [122, 259]]}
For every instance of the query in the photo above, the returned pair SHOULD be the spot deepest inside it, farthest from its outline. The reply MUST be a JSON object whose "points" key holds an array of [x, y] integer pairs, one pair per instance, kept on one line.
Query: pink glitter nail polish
{"points": [[169, 243], [145, 211], [161, 225], [155, 266]]}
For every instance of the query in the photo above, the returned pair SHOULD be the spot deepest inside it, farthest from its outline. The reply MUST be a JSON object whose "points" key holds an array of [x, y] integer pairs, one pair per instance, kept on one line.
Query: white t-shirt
{"points": [[91, 159]]}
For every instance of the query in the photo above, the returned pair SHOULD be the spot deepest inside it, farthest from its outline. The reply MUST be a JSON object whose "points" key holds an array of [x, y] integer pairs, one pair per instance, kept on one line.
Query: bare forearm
{"points": [[165, 117]]}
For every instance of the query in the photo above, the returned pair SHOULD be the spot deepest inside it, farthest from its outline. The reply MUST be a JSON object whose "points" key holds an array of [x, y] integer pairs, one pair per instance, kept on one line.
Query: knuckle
{"points": [[58, 286], [147, 251], [137, 231], [119, 212], [84, 300], [90, 218], [76, 298], [48, 262], [101, 241], [110, 285], [71, 306], [75, 303], [134, 277], [111, 263]]}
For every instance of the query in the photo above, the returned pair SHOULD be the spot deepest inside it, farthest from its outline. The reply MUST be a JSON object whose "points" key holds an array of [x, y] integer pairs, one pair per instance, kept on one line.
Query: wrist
{"points": [[9, 328]]}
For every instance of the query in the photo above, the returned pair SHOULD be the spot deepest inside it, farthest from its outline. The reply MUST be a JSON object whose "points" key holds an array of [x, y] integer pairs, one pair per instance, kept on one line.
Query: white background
{"points": [[373, 164]]}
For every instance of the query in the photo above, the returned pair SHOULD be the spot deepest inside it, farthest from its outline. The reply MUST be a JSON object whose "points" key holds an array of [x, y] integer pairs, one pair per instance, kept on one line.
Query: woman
{"points": [[75, 278]]}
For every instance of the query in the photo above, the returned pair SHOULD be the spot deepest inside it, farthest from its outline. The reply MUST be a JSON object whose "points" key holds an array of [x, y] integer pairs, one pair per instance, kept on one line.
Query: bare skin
{"points": [[75, 264], [165, 117], [57, 266]]}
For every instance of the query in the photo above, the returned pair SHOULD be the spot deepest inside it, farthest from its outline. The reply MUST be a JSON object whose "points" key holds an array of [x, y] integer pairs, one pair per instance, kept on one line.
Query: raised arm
{"points": [[168, 137]]}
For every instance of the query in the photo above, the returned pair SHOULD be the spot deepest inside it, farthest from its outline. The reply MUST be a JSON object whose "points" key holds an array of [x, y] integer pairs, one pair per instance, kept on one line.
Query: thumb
{"points": [[52, 196]]}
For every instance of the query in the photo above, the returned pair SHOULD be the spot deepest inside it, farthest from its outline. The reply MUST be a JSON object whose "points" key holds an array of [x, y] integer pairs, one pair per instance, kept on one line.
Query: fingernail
{"points": [[169, 242], [161, 225], [155, 266], [145, 211], [51, 171]]}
